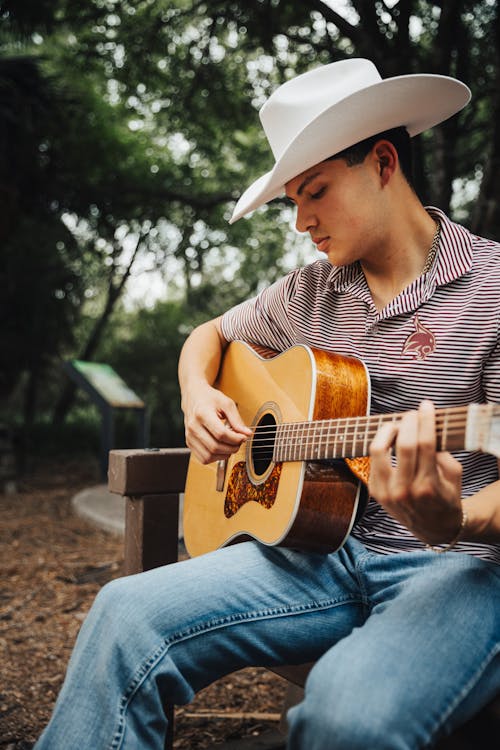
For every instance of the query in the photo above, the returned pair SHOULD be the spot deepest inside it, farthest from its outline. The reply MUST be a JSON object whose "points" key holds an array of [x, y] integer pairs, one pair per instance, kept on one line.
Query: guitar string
{"points": [[268, 441], [346, 435], [361, 423], [339, 429], [458, 412], [353, 423], [332, 450], [312, 432], [338, 448], [332, 443]]}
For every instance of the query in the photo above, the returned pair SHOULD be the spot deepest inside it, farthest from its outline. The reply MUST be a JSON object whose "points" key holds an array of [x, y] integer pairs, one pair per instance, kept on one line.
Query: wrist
{"points": [[447, 546], [190, 390]]}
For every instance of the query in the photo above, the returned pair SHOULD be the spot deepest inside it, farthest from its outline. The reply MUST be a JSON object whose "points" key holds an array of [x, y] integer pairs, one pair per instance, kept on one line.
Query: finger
{"points": [[234, 421], [426, 438], [207, 449], [223, 432], [406, 452], [380, 460], [449, 467], [216, 437], [221, 420], [382, 443]]}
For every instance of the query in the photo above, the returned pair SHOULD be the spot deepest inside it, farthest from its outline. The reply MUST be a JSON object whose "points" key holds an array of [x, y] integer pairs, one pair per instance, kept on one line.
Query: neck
{"points": [[402, 253]]}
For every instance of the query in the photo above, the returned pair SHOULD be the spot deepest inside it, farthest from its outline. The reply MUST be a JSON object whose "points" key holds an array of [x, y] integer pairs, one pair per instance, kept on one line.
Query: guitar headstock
{"points": [[483, 429]]}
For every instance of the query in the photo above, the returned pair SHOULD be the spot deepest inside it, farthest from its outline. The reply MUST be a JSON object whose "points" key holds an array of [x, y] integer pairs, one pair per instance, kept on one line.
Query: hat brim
{"points": [[417, 102]]}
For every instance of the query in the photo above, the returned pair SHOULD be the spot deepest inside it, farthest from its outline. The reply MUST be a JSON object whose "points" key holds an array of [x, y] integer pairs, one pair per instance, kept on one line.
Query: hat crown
{"points": [[299, 101], [324, 111]]}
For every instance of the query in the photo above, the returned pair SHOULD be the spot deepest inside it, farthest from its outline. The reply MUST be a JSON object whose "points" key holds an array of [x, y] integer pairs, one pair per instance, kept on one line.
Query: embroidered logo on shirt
{"points": [[420, 343]]}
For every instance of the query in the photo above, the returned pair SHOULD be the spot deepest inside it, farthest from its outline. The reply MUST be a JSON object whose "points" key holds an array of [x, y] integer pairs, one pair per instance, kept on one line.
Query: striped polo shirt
{"points": [[438, 339]]}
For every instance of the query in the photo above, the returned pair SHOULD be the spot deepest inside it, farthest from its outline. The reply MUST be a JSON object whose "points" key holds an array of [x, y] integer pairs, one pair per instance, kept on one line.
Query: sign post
{"points": [[109, 392]]}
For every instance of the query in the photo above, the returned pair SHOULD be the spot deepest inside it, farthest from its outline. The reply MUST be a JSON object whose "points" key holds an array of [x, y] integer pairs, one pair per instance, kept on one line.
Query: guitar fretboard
{"points": [[350, 437]]}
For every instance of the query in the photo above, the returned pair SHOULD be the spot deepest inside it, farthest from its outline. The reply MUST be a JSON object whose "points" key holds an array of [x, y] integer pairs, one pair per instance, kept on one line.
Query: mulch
{"points": [[53, 563]]}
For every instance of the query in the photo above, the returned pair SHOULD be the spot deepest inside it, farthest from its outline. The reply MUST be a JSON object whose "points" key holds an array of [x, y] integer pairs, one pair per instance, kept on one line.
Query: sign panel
{"points": [[108, 384]]}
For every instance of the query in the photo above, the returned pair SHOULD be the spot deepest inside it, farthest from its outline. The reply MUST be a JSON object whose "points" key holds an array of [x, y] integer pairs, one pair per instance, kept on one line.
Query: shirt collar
{"points": [[454, 258]]}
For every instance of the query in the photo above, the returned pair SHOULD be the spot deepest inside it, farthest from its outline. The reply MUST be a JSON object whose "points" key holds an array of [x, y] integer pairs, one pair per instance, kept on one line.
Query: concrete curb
{"points": [[101, 508]]}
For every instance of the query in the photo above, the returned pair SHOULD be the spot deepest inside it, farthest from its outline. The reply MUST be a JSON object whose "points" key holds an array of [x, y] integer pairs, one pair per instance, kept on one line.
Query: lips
{"points": [[321, 242]]}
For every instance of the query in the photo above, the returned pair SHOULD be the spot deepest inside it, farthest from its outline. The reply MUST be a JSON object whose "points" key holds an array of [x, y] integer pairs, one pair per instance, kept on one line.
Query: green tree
{"points": [[129, 128], [144, 348]]}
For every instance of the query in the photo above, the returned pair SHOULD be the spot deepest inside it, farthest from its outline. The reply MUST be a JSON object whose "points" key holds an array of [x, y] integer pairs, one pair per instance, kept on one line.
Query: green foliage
{"points": [[144, 349], [79, 435], [128, 128]]}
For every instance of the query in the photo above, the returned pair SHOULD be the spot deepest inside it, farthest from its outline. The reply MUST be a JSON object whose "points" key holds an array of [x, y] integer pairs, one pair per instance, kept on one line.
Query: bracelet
{"points": [[455, 540]]}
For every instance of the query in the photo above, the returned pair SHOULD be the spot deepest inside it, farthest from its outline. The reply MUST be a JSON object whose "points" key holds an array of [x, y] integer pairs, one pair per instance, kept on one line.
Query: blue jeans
{"points": [[408, 645]]}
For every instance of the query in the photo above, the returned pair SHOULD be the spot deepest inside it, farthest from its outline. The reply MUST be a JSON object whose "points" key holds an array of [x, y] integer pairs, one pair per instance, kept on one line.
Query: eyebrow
{"points": [[305, 183]]}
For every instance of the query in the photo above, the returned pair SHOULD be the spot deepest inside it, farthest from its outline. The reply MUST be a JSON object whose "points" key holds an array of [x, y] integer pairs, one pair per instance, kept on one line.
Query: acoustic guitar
{"points": [[300, 480]]}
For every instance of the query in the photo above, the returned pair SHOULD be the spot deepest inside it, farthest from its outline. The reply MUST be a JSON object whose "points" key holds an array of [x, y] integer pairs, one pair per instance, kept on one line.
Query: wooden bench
{"points": [[152, 482]]}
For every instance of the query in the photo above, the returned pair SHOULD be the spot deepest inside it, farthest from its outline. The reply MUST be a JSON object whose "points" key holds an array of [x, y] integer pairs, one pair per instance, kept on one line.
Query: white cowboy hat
{"points": [[320, 113]]}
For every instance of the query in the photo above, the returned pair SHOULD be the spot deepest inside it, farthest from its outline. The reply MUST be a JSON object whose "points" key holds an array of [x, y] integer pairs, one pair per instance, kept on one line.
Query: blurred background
{"points": [[127, 130]]}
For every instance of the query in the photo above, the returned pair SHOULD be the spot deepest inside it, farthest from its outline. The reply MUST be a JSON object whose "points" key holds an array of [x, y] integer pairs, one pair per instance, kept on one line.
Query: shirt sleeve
{"points": [[264, 320]]}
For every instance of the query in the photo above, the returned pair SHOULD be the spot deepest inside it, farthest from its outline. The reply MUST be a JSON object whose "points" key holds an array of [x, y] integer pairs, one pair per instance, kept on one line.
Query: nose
{"points": [[305, 219]]}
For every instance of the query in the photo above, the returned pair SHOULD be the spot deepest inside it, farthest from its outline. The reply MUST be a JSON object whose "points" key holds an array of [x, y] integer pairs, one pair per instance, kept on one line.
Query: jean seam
{"points": [[361, 561], [214, 624]]}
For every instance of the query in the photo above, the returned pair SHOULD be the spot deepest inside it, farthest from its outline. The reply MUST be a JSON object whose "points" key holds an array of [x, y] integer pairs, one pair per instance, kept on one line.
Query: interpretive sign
{"points": [[109, 393], [108, 384]]}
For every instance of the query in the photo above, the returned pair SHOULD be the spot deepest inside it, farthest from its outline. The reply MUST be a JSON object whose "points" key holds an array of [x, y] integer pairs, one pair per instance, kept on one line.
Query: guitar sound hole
{"points": [[263, 444]]}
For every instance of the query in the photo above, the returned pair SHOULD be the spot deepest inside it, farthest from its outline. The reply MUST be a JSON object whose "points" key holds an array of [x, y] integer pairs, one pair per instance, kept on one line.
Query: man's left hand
{"points": [[422, 488]]}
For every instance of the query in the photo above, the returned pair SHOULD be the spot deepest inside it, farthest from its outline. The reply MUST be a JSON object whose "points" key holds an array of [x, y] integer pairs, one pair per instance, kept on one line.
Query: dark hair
{"points": [[400, 139]]}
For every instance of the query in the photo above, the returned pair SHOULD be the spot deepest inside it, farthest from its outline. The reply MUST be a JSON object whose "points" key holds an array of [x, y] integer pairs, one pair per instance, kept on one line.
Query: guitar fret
{"points": [[289, 452], [296, 442], [325, 447], [320, 439], [344, 439], [295, 453], [301, 441], [311, 439], [354, 436], [328, 446], [365, 441], [338, 441], [285, 442], [309, 435], [444, 437], [292, 442]]}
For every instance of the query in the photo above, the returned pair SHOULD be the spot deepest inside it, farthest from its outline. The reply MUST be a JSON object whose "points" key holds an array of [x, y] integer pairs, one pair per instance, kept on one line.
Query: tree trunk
{"points": [[67, 397], [486, 215]]}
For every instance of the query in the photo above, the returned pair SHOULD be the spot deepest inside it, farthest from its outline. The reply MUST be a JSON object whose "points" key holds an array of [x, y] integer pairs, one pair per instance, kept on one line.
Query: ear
{"points": [[386, 159]]}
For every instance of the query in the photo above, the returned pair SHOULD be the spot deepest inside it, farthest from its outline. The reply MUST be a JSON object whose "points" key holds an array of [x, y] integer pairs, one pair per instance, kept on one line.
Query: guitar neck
{"points": [[350, 437]]}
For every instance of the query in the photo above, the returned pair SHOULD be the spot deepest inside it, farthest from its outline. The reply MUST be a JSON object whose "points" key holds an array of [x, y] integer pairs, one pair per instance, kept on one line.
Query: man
{"points": [[407, 641]]}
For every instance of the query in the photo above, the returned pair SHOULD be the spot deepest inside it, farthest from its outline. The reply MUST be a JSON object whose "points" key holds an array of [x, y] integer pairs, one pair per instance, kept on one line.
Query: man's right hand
{"points": [[214, 428]]}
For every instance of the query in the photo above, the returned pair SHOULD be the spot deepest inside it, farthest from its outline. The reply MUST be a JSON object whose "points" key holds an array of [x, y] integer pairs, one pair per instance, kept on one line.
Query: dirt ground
{"points": [[52, 564]]}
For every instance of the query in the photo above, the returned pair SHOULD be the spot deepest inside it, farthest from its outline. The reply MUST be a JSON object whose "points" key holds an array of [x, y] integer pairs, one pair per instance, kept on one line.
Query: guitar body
{"points": [[308, 505]]}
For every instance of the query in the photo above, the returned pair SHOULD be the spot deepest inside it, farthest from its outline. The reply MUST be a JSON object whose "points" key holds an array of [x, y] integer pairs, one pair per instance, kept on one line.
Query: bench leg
{"points": [[151, 532], [151, 540]]}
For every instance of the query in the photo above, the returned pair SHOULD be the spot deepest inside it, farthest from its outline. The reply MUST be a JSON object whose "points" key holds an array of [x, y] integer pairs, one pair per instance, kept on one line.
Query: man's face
{"points": [[340, 206]]}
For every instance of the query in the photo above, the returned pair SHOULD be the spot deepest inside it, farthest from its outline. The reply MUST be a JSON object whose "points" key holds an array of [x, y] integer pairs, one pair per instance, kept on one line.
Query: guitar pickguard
{"points": [[241, 490]]}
